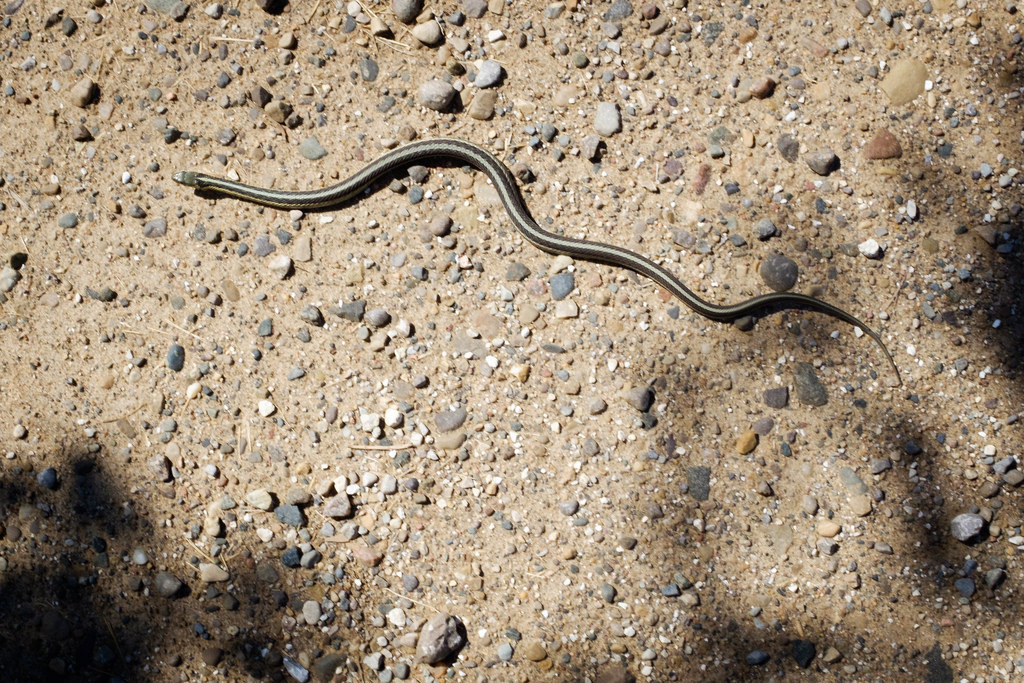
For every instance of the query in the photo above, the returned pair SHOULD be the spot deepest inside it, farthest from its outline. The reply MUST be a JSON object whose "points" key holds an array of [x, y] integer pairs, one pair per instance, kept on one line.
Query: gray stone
{"points": [[608, 119], [450, 420], [176, 357], [47, 478], [441, 638], [788, 147], [324, 668], [620, 9], [765, 230], [338, 507], [823, 162], [378, 317], [407, 10], [8, 278], [562, 285], [777, 397], [809, 389], [290, 515], [641, 398], [167, 585], [489, 74], [517, 272], [967, 527], [155, 228], [779, 272], [260, 499], [853, 483], [879, 465], [311, 149], [698, 481], [436, 95]]}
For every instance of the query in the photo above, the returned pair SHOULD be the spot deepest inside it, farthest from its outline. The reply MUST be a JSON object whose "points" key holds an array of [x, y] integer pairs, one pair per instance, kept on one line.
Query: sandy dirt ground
{"points": [[395, 441]]}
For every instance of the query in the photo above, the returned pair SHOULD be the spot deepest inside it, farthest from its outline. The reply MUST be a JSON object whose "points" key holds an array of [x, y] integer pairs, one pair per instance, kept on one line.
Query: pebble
{"points": [[211, 573], [260, 499], [870, 248], [608, 119], [339, 507], [905, 81], [788, 147], [826, 527], [505, 651], [311, 612], [809, 504], [757, 657], [803, 652], [762, 87], [823, 162], [967, 527], [883, 145], [569, 507], [746, 442], [809, 389], [481, 107], [280, 266], [879, 465], [47, 478], [436, 94], [428, 33], [640, 398], [608, 592], [779, 272], [295, 670], [290, 515], [441, 637], [377, 317], [489, 74], [450, 420], [396, 617], [266, 408], [533, 650], [561, 285], [176, 357], [167, 585], [83, 93], [311, 149], [407, 10], [9, 277], [777, 397], [765, 229], [68, 221]]}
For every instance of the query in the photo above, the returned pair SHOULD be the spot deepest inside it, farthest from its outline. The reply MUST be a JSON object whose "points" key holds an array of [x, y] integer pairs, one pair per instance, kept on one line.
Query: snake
{"points": [[446, 150]]}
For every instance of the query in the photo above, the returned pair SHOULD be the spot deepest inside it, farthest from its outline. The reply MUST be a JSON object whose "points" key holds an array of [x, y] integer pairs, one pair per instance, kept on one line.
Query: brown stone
{"points": [[883, 146]]}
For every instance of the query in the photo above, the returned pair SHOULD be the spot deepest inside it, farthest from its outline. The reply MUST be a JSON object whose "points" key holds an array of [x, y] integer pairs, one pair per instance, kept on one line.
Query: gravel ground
{"points": [[394, 441]]}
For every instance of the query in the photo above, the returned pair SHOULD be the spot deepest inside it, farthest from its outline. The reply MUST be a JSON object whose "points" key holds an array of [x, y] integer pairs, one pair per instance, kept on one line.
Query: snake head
{"points": [[185, 178]]}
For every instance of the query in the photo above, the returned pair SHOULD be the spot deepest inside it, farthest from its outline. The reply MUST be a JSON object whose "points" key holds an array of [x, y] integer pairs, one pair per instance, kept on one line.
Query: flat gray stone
{"points": [[450, 420], [809, 389]]}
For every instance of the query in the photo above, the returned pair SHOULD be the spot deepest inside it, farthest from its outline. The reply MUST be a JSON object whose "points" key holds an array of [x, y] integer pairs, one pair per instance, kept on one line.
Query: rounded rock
{"points": [[779, 272], [608, 119], [436, 95]]}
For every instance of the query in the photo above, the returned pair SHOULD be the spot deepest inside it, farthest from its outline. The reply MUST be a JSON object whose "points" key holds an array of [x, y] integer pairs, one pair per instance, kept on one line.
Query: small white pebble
{"points": [[870, 248], [266, 408]]}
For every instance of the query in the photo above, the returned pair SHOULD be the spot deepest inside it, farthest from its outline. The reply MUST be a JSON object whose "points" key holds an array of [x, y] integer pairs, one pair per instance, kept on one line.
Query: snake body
{"points": [[448, 149]]}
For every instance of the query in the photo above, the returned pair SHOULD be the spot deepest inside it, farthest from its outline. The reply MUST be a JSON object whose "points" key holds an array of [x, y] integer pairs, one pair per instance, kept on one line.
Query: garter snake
{"points": [[447, 149]]}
